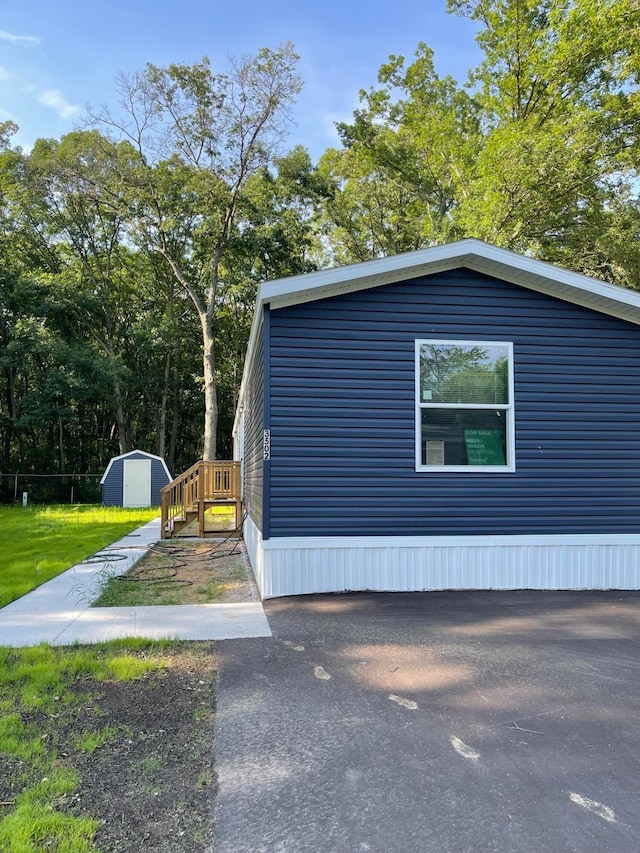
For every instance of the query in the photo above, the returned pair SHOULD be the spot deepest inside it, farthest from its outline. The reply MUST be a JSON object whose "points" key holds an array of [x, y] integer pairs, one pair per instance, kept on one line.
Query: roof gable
{"points": [[472, 254], [132, 453]]}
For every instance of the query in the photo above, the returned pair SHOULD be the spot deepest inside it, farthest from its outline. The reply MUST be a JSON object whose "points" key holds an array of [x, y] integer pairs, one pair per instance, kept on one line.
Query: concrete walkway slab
{"points": [[28, 628], [100, 624], [184, 622], [59, 611]]}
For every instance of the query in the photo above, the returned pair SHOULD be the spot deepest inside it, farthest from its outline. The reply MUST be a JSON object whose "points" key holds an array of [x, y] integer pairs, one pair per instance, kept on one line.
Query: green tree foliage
{"points": [[89, 327], [71, 181], [119, 241], [199, 138], [405, 162], [131, 238], [557, 174], [539, 153]]}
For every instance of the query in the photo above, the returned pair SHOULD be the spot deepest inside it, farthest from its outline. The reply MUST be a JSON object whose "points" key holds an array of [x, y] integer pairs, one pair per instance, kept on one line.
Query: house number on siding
{"points": [[267, 444]]}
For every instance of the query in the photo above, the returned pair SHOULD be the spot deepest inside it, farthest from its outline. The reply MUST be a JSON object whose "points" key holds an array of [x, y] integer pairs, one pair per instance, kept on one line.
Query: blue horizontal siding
{"points": [[112, 486], [159, 480], [253, 446], [343, 414]]}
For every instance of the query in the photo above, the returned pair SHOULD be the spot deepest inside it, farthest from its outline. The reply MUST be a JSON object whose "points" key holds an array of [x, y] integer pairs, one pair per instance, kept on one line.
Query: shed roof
{"points": [[470, 253], [131, 453]]}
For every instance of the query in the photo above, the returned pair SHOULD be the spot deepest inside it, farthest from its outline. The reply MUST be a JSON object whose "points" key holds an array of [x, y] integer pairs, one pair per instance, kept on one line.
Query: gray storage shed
{"points": [[134, 479]]}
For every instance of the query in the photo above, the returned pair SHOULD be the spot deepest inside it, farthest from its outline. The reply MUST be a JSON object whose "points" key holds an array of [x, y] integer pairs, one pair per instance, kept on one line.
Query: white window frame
{"points": [[508, 408]]}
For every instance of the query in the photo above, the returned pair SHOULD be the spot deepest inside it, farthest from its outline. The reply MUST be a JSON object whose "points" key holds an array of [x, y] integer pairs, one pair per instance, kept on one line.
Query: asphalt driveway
{"points": [[433, 722]]}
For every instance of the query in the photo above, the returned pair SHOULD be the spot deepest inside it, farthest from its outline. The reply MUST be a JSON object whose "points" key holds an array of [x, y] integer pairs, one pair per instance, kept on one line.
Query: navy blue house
{"points": [[134, 479], [456, 417]]}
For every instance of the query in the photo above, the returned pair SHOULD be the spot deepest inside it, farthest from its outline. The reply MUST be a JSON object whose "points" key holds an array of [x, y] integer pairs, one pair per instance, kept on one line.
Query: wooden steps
{"points": [[201, 487]]}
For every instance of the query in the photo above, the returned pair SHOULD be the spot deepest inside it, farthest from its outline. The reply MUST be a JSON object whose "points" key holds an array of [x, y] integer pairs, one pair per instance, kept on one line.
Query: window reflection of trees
{"points": [[464, 374]]}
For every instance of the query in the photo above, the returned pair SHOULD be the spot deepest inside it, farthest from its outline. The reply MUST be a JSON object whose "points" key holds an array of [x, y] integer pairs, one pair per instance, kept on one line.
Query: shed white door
{"points": [[136, 482]]}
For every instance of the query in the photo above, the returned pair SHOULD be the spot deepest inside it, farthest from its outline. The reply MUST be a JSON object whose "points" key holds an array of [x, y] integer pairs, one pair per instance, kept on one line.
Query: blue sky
{"points": [[56, 56]]}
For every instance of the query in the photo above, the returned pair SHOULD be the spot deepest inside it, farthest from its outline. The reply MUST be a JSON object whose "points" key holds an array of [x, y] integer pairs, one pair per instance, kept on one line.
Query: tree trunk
{"points": [[61, 457], [11, 419], [121, 420], [210, 390], [164, 397], [84, 438], [175, 411]]}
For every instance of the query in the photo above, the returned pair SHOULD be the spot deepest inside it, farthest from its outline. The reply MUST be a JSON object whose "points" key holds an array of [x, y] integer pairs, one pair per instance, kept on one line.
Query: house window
{"points": [[464, 406]]}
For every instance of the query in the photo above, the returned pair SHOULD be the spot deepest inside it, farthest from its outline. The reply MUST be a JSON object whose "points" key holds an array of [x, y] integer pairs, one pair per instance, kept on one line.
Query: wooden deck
{"points": [[201, 488]]}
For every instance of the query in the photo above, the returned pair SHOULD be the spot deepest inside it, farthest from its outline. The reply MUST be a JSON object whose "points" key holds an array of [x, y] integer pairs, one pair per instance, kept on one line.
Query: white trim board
{"points": [[312, 542], [255, 550], [306, 565], [470, 253], [509, 409]]}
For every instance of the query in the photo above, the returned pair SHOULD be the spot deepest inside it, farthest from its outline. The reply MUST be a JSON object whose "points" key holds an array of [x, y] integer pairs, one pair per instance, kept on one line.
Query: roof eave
{"points": [[472, 254]]}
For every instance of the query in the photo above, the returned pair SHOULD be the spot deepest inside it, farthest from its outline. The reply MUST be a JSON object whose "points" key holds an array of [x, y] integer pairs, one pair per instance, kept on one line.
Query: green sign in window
{"points": [[484, 446]]}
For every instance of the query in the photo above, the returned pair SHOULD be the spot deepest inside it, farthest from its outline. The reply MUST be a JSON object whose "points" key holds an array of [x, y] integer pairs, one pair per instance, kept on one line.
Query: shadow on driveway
{"points": [[443, 721]]}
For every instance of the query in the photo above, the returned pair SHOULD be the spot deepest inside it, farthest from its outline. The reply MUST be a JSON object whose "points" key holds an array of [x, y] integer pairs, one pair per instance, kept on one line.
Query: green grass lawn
{"points": [[38, 543], [40, 736]]}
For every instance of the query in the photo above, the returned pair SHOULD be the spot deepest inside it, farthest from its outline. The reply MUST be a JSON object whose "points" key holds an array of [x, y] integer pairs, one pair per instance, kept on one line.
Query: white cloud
{"points": [[4, 74], [53, 98], [25, 40]]}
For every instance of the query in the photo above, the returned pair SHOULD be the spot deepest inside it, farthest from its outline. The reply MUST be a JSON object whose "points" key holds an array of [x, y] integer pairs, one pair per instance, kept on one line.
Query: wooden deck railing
{"points": [[197, 488]]}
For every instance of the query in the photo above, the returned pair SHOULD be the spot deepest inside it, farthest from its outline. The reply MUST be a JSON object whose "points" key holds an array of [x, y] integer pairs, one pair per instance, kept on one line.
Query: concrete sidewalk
{"points": [[59, 611]]}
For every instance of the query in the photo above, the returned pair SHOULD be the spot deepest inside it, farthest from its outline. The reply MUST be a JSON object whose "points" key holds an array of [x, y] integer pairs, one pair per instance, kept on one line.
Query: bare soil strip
{"points": [[184, 571]]}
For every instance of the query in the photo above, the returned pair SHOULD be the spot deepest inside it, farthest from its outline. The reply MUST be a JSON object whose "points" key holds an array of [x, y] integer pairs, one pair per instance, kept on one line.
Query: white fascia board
{"points": [[375, 273], [559, 282], [471, 253]]}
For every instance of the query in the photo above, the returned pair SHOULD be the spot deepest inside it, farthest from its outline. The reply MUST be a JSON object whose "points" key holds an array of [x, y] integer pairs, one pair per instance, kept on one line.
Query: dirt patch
{"points": [[184, 571], [150, 780], [153, 786]]}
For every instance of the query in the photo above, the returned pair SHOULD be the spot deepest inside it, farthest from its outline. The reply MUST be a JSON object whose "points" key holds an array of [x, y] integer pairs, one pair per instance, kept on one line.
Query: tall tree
{"points": [[279, 235], [539, 155], [73, 182], [405, 162], [558, 171], [96, 348], [199, 137]]}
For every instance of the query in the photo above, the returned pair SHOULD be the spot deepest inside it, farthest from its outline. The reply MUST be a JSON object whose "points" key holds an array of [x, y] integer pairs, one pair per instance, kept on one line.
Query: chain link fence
{"points": [[50, 488]]}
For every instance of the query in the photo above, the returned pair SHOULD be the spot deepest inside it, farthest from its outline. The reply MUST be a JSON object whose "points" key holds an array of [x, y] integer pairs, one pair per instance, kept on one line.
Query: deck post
{"points": [[202, 492], [164, 513]]}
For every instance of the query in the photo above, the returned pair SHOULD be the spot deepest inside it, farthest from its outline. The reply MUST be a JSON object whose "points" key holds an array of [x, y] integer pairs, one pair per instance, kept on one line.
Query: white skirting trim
{"points": [[255, 549], [296, 566]]}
